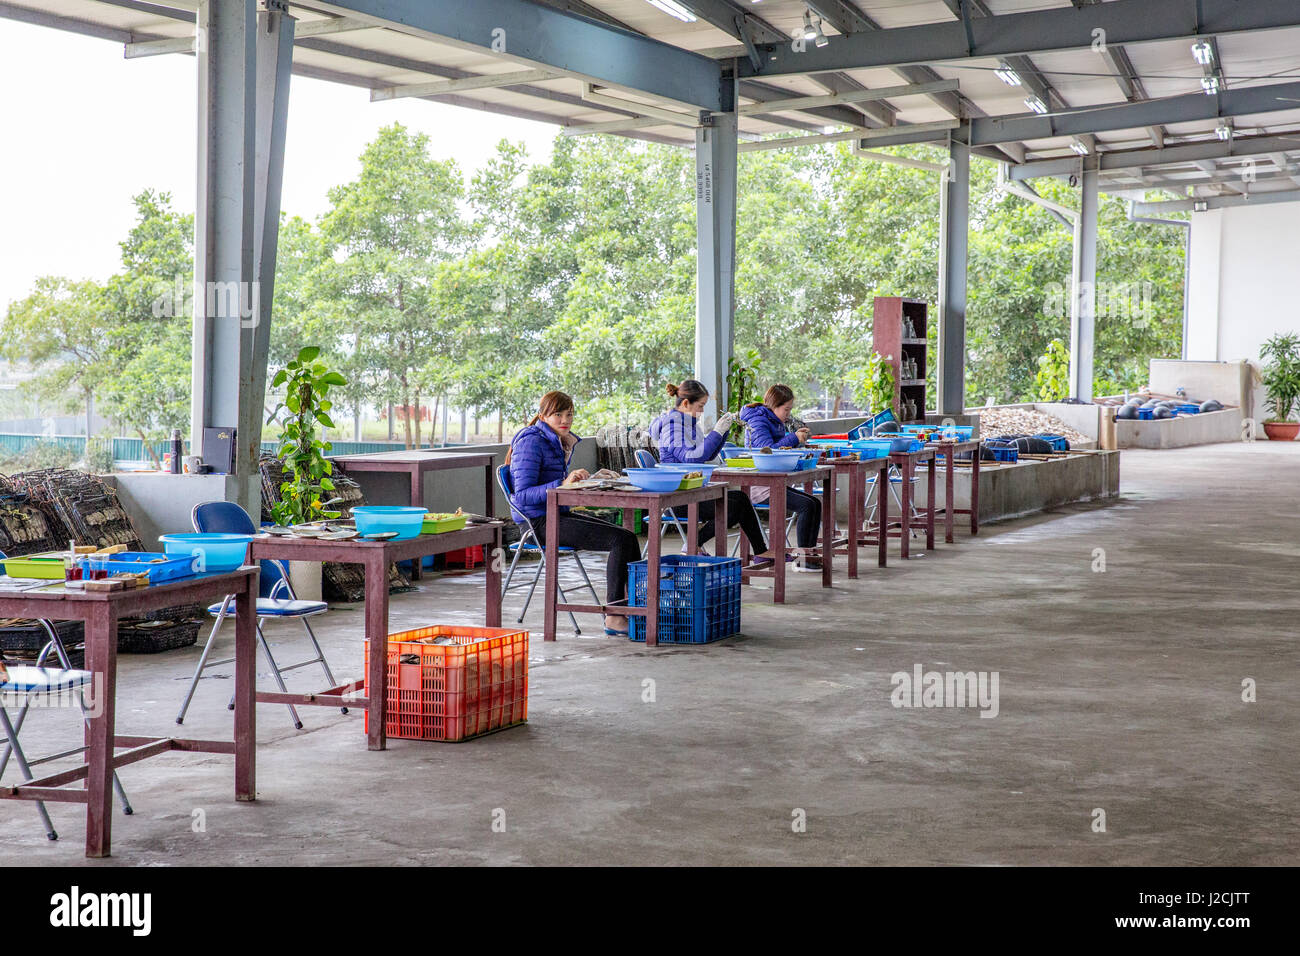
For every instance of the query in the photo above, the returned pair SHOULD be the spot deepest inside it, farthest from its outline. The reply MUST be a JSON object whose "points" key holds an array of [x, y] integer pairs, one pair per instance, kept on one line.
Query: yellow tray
{"points": [[443, 524], [48, 565], [739, 463]]}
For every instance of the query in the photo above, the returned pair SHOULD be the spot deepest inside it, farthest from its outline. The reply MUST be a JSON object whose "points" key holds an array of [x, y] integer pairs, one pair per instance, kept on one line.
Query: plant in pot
{"points": [[305, 494], [1281, 378]]}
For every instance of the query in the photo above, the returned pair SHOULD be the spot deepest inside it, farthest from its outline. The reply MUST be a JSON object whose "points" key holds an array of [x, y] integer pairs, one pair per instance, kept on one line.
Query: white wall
{"points": [[1245, 271]]}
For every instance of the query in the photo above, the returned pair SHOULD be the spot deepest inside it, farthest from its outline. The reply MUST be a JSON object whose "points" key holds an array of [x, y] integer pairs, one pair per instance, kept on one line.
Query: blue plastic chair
{"points": [[531, 543], [28, 682], [231, 518]]}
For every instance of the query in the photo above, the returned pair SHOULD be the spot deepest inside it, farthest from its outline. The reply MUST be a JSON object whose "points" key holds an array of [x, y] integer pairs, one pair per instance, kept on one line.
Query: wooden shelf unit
{"points": [[888, 313]]}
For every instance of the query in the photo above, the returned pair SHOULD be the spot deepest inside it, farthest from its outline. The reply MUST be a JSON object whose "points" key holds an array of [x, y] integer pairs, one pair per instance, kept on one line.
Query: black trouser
{"points": [[586, 533], [809, 510], [740, 511]]}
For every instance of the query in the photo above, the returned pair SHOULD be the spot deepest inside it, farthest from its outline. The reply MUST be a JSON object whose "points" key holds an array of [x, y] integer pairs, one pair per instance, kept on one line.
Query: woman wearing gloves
{"points": [[765, 427], [680, 441], [538, 458]]}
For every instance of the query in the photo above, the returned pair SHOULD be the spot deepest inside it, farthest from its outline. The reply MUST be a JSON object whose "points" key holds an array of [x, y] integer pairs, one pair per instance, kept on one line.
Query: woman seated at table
{"points": [[765, 427], [680, 442], [538, 459]]}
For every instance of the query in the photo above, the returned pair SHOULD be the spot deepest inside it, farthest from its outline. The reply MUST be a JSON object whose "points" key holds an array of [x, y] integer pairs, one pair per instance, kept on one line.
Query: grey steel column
{"points": [[715, 225], [224, 251], [1084, 290], [954, 220]]}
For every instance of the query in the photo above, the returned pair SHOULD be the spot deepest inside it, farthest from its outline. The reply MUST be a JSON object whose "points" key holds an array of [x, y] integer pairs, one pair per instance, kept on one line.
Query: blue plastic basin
{"points": [[654, 479], [375, 519], [212, 550], [705, 470], [777, 461]]}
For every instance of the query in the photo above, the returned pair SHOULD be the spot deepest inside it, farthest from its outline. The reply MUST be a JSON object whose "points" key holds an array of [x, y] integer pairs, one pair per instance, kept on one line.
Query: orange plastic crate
{"points": [[456, 691]]}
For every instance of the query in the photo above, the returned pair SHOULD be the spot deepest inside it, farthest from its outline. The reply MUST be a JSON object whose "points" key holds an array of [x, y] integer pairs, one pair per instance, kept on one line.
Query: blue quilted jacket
{"points": [[537, 462], [764, 430], [677, 435]]}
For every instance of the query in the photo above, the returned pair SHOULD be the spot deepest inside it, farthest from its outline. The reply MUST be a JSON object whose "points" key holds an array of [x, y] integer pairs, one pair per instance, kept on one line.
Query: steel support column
{"points": [[240, 165], [954, 220], [715, 226], [1083, 299]]}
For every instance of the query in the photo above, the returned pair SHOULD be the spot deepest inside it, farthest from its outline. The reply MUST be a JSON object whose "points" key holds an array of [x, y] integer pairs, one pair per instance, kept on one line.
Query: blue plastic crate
{"points": [[1187, 409], [169, 568], [1003, 452], [1058, 442], [699, 598], [1146, 414]]}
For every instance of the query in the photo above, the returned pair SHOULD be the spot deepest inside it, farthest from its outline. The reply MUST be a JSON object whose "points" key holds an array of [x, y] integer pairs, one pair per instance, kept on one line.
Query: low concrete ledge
{"points": [[1207, 428], [1023, 488]]}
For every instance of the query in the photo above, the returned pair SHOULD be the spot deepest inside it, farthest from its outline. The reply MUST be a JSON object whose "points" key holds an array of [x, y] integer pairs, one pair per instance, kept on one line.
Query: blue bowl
{"points": [[211, 551], [705, 470], [374, 519], [654, 479], [777, 461]]}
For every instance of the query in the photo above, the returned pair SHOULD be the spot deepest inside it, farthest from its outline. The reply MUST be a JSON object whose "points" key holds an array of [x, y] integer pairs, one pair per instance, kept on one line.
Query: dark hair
{"points": [[778, 395], [689, 391], [552, 403]]}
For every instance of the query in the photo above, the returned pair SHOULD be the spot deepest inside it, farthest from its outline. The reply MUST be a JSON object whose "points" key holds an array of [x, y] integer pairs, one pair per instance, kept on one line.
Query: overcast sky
{"points": [[82, 130]]}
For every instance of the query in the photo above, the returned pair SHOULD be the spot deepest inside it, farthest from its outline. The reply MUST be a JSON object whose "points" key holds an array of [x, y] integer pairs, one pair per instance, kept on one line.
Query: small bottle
{"points": [[71, 570], [177, 451]]}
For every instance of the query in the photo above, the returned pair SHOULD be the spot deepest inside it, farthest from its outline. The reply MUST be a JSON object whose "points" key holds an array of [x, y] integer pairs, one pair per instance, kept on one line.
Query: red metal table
{"points": [[417, 463], [745, 478], [101, 610], [654, 504], [907, 462], [376, 556], [950, 450], [857, 471]]}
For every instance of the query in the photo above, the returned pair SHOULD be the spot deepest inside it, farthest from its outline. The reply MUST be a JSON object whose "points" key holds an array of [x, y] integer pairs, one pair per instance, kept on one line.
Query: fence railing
{"points": [[133, 449]]}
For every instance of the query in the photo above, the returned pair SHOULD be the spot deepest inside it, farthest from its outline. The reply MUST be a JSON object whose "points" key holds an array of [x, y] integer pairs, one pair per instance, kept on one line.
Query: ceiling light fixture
{"points": [[809, 32], [1210, 84], [1035, 103], [1223, 131], [1203, 51], [673, 9], [1078, 147], [1007, 74], [820, 39]]}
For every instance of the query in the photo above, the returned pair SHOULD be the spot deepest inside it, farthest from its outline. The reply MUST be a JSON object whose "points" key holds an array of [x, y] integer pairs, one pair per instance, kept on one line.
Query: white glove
{"points": [[724, 423]]}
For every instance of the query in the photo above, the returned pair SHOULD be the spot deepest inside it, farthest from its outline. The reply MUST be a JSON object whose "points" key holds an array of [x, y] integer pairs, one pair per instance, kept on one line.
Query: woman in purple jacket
{"points": [[538, 459], [765, 427], [677, 434]]}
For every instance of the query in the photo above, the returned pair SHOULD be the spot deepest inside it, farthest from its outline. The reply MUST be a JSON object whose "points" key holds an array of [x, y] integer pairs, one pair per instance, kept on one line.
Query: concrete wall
{"points": [[1241, 283], [1203, 429], [161, 504], [1230, 383]]}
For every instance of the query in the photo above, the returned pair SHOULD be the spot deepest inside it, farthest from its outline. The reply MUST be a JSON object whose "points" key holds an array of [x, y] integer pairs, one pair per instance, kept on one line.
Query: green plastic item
{"points": [[689, 483], [46, 565], [440, 524], [740, 463]]}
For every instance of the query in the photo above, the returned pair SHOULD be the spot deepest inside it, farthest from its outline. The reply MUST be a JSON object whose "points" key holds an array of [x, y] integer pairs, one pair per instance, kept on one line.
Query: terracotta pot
{"points": [[1281, 431]]}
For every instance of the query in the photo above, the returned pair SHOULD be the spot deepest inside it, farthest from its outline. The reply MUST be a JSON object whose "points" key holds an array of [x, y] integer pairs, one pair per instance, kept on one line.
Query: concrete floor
{"points": [[1119, 690]]}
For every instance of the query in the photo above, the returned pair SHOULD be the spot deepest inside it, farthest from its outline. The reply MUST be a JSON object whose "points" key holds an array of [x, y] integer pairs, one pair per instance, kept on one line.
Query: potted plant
{"points": [[742, 389], [305, 494], [1281, 378]]}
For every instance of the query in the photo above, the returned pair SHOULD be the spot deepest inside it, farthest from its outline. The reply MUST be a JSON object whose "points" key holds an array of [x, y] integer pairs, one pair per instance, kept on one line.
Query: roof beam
{"points": [[556, 39], [54, 21], [736, 21], [1037, 31], [1213, 202], [921, 132], [830, 99], [1188, 108], [1140, 158], [490, 81], [312, 28]]}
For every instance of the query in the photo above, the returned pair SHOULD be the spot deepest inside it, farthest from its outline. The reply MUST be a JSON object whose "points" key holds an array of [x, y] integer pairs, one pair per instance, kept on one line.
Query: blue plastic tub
{"points": [[806, 463], [960, 432], [699, 598], [209, 551], [777, 460], [890, 445], [705, 470], [1058, 442], [142, 562], [1146, 414], [1187, 409], [654, 479], [404, 519], [1003, 452]]}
